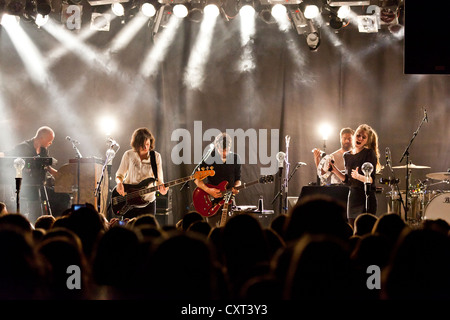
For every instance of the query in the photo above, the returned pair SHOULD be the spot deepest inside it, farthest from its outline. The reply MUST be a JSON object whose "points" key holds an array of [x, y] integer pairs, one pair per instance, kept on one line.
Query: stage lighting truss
{"points": [[305, 27], [103, 2]]}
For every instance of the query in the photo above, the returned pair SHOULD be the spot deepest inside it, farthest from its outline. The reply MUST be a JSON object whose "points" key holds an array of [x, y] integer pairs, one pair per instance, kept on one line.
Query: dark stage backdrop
{"points": [[353, 78]]}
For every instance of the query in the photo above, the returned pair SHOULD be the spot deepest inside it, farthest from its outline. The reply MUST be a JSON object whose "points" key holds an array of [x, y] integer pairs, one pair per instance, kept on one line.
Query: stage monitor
{"points": [[339, 193]]}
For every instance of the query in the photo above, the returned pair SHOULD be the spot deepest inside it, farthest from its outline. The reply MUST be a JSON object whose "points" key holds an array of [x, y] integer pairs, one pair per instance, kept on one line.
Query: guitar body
{"points": [[127, 203], [134, 197], [207, 205]]}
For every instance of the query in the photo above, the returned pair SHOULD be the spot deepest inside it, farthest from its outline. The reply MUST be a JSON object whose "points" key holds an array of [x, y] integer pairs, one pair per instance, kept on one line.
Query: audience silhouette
{"points": [[310, 253]]}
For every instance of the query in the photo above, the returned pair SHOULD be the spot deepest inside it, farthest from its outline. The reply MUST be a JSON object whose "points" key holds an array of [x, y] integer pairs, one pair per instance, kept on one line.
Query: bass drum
{"points": [[439, 208]]}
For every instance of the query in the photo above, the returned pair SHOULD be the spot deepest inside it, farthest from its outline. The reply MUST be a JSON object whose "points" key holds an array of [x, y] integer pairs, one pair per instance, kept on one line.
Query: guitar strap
{"points": [[153, 162]]}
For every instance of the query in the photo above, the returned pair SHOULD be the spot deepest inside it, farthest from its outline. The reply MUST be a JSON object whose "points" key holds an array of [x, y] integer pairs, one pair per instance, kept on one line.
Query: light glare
{"points": [[148, 9], [180, 11], [278, 11], [311, 11], [211, 10]]}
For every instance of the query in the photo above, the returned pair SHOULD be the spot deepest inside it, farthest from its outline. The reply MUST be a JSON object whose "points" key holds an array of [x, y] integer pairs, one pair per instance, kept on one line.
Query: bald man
{"points": [[38, 147]]}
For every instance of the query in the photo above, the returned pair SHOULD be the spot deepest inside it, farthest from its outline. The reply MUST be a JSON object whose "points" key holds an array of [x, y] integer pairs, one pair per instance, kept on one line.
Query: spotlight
{"points": [[180, 10], [149, 8], [211, 10], [313, 40], [100, 21], [311, 11], [41, 20], [43, 7], [343, 12], [247, 11], [118, 9], [266, 16], [278, 11]]}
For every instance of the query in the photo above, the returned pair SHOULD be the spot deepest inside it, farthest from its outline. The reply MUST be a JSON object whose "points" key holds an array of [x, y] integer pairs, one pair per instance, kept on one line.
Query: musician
{"points": [[227, 167], [3, 208], [328, 177], [364, 149], [35, 179], [136, 166]]}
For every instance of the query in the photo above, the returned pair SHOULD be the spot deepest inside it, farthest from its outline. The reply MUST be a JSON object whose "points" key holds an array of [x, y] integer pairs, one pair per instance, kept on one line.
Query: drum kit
{"points": [[424, 203]]}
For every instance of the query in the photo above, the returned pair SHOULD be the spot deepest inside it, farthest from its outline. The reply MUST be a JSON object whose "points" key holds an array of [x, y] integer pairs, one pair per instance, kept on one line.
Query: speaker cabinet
{"points": [[164, 214]]}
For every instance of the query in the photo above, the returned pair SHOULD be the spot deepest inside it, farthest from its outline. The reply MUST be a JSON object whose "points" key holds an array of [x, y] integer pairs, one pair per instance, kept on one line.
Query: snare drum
{"points": [[439, 207]]}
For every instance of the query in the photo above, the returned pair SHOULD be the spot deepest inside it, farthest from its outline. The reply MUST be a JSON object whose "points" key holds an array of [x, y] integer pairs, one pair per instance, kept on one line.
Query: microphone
{"points": [[72, 140], [367, 168], [288, 139], [280, 157], [299, 164], [113, 142], [425, 114]]}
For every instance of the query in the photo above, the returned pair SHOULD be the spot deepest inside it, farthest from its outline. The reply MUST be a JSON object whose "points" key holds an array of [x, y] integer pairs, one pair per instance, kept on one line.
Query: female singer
{"points": [[365, 149]]}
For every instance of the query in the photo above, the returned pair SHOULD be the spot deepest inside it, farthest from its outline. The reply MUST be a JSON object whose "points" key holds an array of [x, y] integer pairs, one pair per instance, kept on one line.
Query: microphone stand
{"points": [[78, 157], [388, 164], [406, 154], [366, 191], [18, 185], [110, 154], [197, 166], [286, 176], [289, 179]]}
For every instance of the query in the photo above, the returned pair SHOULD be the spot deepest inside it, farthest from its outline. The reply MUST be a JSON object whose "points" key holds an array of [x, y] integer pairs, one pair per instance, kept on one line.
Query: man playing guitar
{"points": [[227, 167]]}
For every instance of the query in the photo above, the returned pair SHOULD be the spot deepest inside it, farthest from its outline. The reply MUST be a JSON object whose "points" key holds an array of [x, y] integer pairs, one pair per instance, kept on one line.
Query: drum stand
{"points": [[406, 153]]}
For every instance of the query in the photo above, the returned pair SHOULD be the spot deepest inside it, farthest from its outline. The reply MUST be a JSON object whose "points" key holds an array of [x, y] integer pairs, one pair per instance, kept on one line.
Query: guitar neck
{"points": [[167, 184], [246, 185]]}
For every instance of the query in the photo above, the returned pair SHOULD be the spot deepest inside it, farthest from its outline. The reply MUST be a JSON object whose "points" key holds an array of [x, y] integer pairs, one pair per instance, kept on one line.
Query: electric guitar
{"points": [[135, 192], [208, 206]]}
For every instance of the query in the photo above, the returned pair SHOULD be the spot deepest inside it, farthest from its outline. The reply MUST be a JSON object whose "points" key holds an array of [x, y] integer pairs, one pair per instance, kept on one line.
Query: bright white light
{"points": [[180, 11], [118, 9], [247, 11], [278, 11], [211, 10], [148, 9], [343, 12], [107, 125], [195, 71], [27, 50], [41, 20], [311, 11], [325, 130], [158, 51], [9, 20], [248, 29], [128, 32]]}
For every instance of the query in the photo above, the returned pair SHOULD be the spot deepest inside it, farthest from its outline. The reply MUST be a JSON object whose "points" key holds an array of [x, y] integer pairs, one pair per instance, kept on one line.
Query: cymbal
{"points": [[411, 166], [439, 175]]}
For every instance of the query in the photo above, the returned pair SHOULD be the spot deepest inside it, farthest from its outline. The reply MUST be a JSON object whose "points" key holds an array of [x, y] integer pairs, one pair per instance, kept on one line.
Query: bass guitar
{"points": [[208, 206], [134, 197]]}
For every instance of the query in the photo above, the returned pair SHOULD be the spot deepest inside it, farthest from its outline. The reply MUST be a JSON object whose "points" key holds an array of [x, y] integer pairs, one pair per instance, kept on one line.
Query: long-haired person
{"points": [[138, 164], [365, 149]]}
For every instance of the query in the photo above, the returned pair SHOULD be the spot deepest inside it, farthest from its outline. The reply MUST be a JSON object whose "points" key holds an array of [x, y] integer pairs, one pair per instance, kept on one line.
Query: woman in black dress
{"points": [[365, 149]]}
